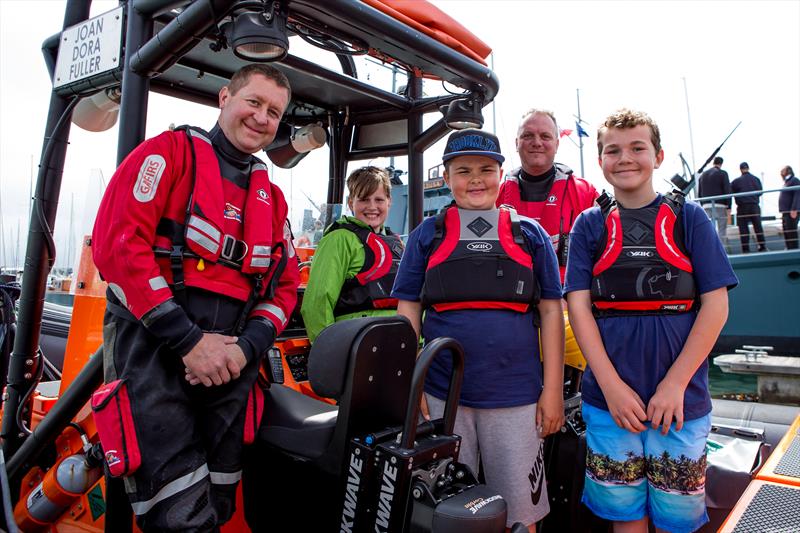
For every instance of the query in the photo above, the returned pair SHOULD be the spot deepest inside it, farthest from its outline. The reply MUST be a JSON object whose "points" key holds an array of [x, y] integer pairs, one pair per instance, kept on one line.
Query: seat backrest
{"points": [[367, 365]]}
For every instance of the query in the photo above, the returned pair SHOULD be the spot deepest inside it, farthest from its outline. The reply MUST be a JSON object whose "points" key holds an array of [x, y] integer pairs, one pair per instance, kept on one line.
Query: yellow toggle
{"points": [[201, 265]]}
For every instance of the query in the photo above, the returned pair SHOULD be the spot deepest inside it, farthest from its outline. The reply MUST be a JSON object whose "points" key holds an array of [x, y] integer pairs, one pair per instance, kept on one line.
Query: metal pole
{"points": [[689, 120], [24, 360], [580, 137], [135, 87], [416, 172]]}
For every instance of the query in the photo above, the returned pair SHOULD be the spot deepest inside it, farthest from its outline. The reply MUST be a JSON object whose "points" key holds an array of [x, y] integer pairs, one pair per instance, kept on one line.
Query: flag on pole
{"points": [[581, 131], [564, 132]]}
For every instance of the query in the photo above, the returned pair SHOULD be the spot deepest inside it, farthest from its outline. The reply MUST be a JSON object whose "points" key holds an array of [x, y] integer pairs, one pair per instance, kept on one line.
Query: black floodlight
{"points": [[463, 113], [259, 35], [678, 181]]}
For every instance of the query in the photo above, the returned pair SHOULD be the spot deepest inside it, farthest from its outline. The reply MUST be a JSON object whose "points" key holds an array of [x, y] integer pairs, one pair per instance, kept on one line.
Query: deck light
{"points": [[259, 35], [291, 145], [98, 112], [464, 113]]}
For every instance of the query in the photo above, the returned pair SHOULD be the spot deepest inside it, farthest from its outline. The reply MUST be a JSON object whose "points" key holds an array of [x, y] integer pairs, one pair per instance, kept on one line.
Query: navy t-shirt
{"points": [[501, 347], [642, 348]]}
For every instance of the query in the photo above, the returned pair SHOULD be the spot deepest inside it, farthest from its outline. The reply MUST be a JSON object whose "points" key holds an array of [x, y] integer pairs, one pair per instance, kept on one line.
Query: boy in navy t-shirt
{"points": [[481, 274], [636, 273]]}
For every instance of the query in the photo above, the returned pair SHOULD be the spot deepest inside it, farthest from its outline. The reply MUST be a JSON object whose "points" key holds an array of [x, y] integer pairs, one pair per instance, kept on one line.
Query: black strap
{"points": [[606, 203]]}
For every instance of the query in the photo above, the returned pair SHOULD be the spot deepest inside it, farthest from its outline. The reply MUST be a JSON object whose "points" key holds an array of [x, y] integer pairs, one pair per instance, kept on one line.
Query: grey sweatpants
{"points": [[507, 442]]}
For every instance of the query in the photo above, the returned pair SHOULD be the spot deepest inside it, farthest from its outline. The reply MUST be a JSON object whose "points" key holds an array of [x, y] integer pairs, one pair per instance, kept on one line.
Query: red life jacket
{"points": [[372, 286], [566, 199], [202, 227], [479, 260], [643, 267]]}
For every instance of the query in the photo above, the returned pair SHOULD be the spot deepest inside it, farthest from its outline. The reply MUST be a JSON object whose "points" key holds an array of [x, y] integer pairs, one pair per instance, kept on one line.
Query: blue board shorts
{"points": [[633, 475]]}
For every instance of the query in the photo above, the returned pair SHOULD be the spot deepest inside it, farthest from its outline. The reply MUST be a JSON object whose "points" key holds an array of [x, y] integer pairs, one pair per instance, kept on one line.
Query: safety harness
{"points": [[643, 267], [371, 287], [201, 235], [479, 260]]}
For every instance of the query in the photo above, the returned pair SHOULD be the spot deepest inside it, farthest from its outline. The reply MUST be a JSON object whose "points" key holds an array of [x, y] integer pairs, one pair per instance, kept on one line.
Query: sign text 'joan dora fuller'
{"points": [[89, 48]]}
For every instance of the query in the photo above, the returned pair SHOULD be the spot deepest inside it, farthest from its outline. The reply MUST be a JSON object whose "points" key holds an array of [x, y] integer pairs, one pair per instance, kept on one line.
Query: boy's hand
{"points": [[625, 406], [423, 407], [666, 405], [549, 412]]}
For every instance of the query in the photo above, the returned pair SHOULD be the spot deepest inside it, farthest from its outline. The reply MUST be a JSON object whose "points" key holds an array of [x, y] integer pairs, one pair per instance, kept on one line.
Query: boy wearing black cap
{"points": [[747, 209], [487, 277]]}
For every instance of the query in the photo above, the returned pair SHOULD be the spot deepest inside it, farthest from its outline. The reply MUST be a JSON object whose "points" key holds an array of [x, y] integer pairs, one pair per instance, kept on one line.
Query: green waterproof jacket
{"points": [[339, 257]]}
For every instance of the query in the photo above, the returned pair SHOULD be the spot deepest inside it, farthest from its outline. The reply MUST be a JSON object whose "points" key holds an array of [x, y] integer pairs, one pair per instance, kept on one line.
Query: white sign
{"points": [[89, 48]]}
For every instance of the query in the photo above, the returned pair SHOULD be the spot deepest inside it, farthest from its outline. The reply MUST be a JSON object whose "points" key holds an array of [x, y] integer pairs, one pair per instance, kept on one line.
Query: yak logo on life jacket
{"points": [[263, 196], [639, 253], [552, 199], [480, 246], [149, 175]]}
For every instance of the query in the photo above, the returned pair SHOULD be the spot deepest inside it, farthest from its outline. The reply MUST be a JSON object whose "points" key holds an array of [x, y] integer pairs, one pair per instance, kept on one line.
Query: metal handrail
{"points": [[748, 193]]}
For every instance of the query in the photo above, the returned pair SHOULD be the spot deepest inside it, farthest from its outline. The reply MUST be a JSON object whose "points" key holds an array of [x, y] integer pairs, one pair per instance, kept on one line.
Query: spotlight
{"points": [[463, 113], [290, 145], [259, 35], [678, 181], [98, 112]]}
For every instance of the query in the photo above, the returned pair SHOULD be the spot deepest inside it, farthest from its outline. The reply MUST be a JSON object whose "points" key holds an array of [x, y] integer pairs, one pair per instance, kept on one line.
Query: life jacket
{"points": [[479, 260], [643, 267], [197, 230], [372, 285], [567, 198]]}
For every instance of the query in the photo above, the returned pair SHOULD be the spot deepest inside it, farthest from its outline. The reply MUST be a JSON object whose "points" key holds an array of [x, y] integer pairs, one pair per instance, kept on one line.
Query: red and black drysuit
{"points": [[642, 266], [372, 286], [554, 200], [474, 245], [223, 263]]}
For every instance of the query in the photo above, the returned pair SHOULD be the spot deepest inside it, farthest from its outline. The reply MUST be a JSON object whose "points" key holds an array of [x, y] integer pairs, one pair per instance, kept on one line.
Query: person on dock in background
{"points": [[789, 206], [748, 210], [633, 292], [715, 182]]}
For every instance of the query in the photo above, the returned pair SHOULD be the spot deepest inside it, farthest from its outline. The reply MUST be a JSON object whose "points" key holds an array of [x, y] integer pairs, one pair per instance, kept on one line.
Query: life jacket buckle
{"points": [[233, 249]]}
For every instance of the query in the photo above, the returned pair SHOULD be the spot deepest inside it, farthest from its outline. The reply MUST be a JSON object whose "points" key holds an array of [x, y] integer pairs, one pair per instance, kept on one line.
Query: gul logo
{"points": [[112, 458], [263, 196], [479, 246], [351, 494], [232, 212], [639, 253], [150, 173]]}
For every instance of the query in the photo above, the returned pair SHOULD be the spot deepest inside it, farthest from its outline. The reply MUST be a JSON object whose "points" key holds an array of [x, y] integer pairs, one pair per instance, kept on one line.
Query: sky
{"points": [[711, 64]]}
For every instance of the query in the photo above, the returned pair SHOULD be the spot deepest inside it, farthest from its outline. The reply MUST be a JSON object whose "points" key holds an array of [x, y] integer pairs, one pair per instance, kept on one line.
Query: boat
{"points": [[178, 48]]}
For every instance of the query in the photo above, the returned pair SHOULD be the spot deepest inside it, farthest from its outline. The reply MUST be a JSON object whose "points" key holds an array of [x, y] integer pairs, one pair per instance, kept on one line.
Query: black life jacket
{"points": [[479, 260], [372, 286], [643, 267]]}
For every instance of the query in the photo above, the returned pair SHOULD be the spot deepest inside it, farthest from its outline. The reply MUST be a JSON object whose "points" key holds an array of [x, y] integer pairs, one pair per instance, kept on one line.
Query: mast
{"points": [[580, 137], [689, 120]]}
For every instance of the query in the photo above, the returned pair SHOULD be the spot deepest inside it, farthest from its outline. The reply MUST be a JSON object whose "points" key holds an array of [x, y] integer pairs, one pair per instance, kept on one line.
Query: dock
{"points": [[778, 376]]}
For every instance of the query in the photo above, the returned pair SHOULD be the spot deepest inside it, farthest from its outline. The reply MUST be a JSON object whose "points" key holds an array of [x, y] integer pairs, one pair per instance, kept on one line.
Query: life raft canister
{"points": [[644, 267], [479, 259], [371, 287]]}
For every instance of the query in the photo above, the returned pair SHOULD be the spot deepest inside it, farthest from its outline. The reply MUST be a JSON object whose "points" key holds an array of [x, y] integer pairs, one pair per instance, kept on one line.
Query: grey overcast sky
{"points": [[740, 61]]}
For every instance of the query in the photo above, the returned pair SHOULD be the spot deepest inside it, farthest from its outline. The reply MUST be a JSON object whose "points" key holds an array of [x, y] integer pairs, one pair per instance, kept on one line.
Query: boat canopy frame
{"points": [[167, 49]]}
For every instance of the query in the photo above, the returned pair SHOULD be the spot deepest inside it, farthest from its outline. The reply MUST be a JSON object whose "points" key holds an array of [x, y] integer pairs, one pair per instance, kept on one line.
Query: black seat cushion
{"points": [[297, 423]]}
